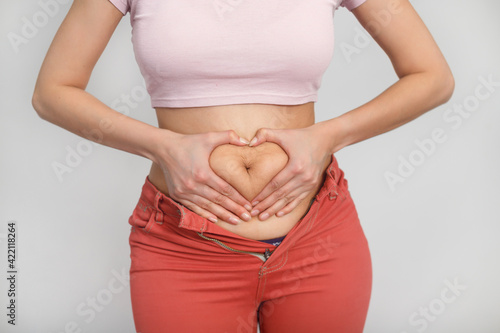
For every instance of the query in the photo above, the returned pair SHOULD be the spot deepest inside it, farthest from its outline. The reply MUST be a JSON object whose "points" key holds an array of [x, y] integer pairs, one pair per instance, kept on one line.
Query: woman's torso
{"points": [[247, 169]]}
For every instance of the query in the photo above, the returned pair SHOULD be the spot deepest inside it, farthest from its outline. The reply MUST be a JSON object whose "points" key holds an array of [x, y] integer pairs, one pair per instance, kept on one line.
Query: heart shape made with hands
{"points": [[248, 169]]}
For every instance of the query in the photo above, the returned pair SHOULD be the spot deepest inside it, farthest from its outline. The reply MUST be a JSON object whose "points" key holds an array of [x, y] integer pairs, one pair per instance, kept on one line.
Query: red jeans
{"points": [[189, 275]]}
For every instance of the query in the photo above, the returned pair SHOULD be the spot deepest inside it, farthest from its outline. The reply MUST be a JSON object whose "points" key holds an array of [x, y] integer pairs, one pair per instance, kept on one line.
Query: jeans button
{"points": [[332, 196]]}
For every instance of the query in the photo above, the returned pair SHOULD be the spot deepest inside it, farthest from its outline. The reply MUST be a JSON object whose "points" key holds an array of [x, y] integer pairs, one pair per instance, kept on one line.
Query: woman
{"points": [[245, 218]]}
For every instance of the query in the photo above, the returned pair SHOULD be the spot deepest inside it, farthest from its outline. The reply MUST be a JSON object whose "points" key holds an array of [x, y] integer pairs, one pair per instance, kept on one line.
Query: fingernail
{"points": [[213, 219], [254, 140], [255, 212], [248, 207], [245, 216], [280, 214], [264, 216], [234, 220], [244, 141], [255, 203]]}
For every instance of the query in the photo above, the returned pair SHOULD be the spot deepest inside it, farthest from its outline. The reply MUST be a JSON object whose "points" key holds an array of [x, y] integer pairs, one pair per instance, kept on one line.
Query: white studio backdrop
{"points": [[426, 193]]}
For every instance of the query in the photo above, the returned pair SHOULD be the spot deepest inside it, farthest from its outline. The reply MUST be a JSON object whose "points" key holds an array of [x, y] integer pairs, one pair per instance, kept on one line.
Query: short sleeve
{"points": [[351, 4], [122, 5]]}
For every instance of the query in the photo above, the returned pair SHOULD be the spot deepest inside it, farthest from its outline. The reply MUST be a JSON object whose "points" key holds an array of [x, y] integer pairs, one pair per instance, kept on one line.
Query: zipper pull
{"points": [[267, 254]]}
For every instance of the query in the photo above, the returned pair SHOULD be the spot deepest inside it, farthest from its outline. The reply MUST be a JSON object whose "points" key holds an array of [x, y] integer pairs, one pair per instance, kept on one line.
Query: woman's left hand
{"points": [[309, 150]]}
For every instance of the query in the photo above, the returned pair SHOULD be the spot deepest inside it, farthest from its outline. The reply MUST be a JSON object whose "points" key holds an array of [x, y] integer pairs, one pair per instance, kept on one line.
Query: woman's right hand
{"points": [[184, 160], [61, 99]]}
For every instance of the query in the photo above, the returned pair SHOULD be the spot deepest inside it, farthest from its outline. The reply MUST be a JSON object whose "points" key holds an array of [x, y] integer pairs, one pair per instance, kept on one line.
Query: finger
{"points": [[203, 198], [279, 194], [229, 207], [265, 135], [229, 136], [277, 206], [278, 181], [292, 205], [299, 172], [218, 184], [282, 202], [198, 210], [217, 210]]}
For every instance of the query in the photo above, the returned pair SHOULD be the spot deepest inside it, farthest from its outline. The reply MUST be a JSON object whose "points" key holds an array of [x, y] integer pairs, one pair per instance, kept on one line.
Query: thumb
{"points": [[262, 135], [230, 136]]}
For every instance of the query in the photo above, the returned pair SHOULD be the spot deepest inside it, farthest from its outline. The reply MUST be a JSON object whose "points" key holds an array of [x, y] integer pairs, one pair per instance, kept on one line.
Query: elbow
{"points": [[38, 101], [447, 86], [444, 85]]}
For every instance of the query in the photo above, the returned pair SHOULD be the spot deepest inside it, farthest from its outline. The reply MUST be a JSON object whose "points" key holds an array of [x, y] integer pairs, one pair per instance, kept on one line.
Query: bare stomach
{"points": [[247, 169]]}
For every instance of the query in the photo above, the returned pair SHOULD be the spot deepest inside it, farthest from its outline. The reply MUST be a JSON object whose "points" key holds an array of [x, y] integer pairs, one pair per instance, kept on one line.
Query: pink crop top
{"points": [[213, 52]]}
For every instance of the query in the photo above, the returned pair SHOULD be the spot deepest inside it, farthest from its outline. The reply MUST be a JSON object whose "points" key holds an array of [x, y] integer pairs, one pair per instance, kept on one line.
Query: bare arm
{"points": [[60, 95], [61, 99], [425, 79]]}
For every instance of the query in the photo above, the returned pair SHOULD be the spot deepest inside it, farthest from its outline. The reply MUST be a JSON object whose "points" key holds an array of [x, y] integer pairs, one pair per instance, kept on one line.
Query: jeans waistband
{"points": [[166, 208]]}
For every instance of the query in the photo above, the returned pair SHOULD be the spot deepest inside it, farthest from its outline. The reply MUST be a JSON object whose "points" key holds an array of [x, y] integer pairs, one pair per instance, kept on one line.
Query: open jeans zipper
{"points": [[262, 256]]}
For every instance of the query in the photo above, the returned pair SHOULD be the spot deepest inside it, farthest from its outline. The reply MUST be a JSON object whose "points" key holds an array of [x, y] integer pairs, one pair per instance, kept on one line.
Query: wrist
{"points": [[162, 142], [334, 132]]}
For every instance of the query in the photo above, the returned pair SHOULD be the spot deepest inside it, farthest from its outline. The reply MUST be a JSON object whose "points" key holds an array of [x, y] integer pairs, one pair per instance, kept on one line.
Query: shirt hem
{"points": [[121, 6], [352, 5], [238, 99]]}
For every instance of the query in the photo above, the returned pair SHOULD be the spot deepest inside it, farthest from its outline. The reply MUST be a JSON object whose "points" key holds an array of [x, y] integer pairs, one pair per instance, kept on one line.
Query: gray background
{"points": [[438, 226]]}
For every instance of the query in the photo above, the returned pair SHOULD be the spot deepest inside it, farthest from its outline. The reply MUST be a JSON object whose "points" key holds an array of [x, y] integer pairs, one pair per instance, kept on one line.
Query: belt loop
{"points": [[333, 193], [333, 172], [333, 190], [333, 169], [159, 213], [344, 189]]}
